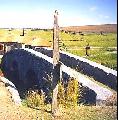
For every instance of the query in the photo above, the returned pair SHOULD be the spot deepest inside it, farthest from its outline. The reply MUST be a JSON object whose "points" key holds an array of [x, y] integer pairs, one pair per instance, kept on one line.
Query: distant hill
{"points": [[107, 28]]}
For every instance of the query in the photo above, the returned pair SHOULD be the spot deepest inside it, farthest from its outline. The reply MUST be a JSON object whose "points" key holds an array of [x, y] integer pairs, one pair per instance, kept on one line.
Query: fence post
{"points": [[56, 65], [23, 33], [87, 48]]}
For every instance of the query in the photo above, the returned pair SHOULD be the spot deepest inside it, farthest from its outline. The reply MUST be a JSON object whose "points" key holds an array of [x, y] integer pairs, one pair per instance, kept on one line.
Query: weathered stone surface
{"points": [[13, 91], [27, 68], [99, 72]]}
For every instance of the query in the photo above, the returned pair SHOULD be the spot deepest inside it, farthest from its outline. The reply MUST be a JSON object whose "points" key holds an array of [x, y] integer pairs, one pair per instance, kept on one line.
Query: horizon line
{"points": [[52, 27]]}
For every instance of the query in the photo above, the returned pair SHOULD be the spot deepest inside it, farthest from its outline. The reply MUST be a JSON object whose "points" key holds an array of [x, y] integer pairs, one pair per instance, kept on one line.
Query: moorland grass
{"points": [[101, 45]]}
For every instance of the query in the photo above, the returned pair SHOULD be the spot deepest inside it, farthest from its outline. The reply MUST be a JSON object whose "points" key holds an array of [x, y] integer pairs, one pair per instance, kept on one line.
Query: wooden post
{"points": [[56, 65], [23, 32], [56, 39], [87, 48]]}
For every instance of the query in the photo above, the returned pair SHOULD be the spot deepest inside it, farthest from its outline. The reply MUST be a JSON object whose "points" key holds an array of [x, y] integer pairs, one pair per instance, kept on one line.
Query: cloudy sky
{"points": [[39, 13]]}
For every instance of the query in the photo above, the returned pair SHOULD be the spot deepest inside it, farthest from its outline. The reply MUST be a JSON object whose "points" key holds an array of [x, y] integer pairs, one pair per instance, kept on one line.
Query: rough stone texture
{"points": [[99, 72], [27, 68], [13, 90], [88, 96]]}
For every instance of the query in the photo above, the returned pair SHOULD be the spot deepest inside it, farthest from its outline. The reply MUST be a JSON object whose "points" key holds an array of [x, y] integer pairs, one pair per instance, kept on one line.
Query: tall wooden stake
{"points": [[23, 32], [56, 65]]}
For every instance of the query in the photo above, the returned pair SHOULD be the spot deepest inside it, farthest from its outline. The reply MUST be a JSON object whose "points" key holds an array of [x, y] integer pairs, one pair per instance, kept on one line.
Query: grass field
{"points": [[78, 113], [103, 48]]}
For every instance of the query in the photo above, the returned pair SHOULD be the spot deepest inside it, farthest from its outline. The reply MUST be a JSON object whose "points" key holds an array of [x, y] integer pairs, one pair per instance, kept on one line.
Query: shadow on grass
{"points": [[42, 109]]}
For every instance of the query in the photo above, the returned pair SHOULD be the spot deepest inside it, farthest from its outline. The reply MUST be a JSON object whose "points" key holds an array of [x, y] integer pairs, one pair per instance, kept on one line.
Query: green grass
{"points": [[96, 40], [104, 57], [102, 54], [102, 47], [108, 60]]}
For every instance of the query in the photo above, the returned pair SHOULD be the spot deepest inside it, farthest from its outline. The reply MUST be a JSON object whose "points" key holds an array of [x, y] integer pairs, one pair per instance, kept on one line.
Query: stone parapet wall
{"points": [[97, 71]]}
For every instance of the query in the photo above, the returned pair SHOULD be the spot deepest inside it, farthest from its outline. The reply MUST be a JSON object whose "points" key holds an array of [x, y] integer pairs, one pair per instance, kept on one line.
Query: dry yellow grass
{"points": [[38, 42], [9, 111], [30, 37]]}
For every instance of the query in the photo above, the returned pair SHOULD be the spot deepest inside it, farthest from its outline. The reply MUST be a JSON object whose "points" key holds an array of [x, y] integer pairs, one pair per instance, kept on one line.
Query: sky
{"points": [[40, 13]]}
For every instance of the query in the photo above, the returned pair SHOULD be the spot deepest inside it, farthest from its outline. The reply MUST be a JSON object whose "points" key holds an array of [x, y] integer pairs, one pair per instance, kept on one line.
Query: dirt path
{"points": [[9, 111]]}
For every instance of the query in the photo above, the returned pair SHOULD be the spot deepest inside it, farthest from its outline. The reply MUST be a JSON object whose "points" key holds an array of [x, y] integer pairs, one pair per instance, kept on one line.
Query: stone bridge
{"points": [[29, 67]]}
